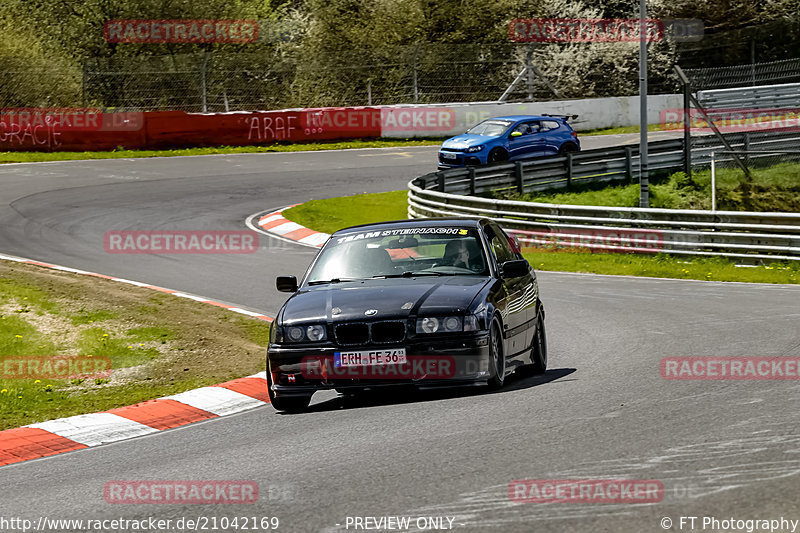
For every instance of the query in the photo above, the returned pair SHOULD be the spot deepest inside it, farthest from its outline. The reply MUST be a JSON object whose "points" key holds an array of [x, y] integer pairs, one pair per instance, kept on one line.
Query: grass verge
{"points": [[30, 157], [156, 344], [337, 213], [776, 188]]}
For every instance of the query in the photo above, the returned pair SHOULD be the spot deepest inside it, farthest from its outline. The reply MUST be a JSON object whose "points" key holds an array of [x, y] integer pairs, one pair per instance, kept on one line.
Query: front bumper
{"points": [[462, 159], [449, 362]]}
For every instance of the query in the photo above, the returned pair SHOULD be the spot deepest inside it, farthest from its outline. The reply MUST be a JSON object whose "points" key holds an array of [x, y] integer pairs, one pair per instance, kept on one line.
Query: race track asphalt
{"points": [[721, 448]]}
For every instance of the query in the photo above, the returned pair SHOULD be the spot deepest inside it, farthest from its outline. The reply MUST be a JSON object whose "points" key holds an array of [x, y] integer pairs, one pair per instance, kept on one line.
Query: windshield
{"points": [[419, 251], [490, 128]]}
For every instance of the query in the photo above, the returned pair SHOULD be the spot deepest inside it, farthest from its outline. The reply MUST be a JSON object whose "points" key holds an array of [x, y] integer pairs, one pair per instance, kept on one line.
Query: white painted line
{"points": [[217, 400], [261, 375], [95, 428], [244, 311], [12, 258], [137, 283], [190, 296], [285, 228]]}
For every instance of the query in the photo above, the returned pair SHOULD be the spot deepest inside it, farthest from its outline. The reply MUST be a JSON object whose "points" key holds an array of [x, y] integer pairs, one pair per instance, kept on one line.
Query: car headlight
{"points": [[473, 149], [444, 324], [313, 333]]}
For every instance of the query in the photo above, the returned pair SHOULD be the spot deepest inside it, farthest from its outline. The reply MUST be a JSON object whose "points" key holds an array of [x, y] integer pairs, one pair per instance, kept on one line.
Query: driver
{"points": [[457, 254]]}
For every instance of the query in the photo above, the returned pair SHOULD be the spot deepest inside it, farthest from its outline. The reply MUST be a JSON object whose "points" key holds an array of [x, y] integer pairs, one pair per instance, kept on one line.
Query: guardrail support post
{"points": [[471, 181], [568, 164], [518, 177], [440, 181], [629, 163], [746, 148]]}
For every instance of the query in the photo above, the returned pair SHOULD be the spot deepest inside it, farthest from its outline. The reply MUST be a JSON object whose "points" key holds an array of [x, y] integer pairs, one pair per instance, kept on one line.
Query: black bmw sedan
{"points": [[425, 302]]}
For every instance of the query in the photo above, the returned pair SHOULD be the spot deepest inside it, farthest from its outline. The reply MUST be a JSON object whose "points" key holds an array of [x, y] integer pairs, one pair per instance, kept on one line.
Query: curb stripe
{"points": [[163, 414], [22, 444], [253, 387], [218, 400], [276, 224], [95, 428]]}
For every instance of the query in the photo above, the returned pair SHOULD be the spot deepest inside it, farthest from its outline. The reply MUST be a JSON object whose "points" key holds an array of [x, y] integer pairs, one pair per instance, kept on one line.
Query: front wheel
{"points": [[496, 357], [538, 351], [497, 155]]}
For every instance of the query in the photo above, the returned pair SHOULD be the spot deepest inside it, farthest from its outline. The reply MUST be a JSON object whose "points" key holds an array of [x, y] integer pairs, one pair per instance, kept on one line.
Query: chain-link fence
{"points": [[219, 82]]}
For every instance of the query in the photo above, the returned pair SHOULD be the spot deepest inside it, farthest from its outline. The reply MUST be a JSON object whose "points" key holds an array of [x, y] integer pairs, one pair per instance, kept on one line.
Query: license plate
{"points": [[448, 155], [395, 356]]}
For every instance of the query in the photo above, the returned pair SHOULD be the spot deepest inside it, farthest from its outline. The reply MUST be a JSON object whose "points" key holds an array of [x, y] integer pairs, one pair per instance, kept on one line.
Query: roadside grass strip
{"points": [[145, 343]]}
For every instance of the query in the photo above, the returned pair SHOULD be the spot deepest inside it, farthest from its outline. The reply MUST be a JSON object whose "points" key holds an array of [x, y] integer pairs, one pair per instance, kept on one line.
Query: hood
{"points": [[465, 140], [427, 295]]}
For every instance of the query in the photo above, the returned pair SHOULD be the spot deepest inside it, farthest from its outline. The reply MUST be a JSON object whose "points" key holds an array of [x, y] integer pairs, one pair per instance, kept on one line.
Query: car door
{"points": [[515, 313], [551, 136], [518, 145], [536, 140]]}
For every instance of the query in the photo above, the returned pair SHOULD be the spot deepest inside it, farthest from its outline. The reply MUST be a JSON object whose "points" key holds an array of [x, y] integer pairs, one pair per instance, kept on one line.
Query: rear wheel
{"points": [[567, 147], [497, 155], [539, 354], [496, 357]]}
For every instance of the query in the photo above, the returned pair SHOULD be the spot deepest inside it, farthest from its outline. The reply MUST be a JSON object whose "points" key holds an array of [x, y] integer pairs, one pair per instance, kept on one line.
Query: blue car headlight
{"points": [[473, 149]]}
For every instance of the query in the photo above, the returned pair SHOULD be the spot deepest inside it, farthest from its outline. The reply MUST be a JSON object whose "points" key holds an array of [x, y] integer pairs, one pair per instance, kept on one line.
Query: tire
{"points": [[539, 353], [497, 358], [567, 147], [289, 404], [497, 155]]}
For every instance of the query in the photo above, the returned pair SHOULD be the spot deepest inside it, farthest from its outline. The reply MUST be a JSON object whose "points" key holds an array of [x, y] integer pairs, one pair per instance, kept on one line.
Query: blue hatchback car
{"points": [[509, 139]]}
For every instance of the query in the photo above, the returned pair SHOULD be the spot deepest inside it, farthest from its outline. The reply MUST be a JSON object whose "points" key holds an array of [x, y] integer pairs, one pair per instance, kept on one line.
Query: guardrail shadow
{"points": [[410, 394]]}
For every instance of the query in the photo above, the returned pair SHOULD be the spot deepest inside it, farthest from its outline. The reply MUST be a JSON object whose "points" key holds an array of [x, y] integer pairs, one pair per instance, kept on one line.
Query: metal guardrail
{"points": [[740, 235], [760, 97]]}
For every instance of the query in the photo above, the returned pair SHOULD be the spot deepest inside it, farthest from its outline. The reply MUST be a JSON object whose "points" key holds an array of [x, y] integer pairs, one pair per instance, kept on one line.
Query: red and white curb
{"points": [[275, 224], [83, 431]]}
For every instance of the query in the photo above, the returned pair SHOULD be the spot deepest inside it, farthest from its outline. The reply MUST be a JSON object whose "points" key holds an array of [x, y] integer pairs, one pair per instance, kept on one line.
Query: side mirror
{"points": [[286, 283], [516, 134], [514, 269]]}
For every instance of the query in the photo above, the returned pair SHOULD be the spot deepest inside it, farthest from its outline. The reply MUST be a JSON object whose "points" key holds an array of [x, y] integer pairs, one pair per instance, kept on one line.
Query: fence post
{"points": [[687, 120], [203, 81], [568, 164], [369, 91], [746, 148], [629, 163], [518, 177], [440, 181], [83, 85], [471, 181]]}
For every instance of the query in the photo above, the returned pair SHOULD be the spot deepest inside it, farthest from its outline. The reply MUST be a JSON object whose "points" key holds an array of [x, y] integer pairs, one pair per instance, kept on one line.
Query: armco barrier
{"points": [[740, 235]]}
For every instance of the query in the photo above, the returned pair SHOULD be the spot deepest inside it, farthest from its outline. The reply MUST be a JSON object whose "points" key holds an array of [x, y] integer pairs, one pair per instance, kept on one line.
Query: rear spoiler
{"points": [[565, 117]]}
